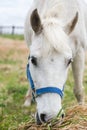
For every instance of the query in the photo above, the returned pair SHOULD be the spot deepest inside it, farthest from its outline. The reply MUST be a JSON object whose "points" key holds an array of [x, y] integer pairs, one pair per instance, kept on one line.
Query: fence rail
{"points": [[11, 30]]}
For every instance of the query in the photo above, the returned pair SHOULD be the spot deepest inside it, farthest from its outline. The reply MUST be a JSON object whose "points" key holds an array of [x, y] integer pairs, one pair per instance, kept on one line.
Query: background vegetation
{"points": [[15, 37]]}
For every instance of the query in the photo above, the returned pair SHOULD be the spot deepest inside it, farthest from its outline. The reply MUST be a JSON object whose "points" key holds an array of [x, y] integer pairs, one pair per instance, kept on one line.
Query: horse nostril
{"points": [[63, 115], [42, 117]]}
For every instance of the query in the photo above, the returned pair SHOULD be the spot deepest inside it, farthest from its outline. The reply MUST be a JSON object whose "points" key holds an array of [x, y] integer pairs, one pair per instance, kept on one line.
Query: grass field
{"points": [[14, 85], [15, 37]]}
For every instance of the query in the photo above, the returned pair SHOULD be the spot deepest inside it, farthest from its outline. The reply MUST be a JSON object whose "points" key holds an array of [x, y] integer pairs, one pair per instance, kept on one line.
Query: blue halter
{"points": [[40, 91]]}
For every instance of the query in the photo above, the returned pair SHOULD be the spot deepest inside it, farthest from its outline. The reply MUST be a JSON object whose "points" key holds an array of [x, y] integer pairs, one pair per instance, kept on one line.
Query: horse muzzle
{"points": [[42, 118]]}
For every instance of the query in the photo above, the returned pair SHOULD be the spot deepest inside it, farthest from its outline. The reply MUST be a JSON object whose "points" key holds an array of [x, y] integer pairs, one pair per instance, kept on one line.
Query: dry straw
{"points": [[75, 119]]}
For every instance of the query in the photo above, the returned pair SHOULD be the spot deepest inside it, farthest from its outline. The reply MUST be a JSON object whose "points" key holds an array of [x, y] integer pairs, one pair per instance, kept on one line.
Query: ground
{"points": [[14, 85]]}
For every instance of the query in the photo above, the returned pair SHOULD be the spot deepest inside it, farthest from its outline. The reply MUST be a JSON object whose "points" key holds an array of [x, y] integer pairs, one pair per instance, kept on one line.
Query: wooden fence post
{"points": [[13, 30], [1, 29]]}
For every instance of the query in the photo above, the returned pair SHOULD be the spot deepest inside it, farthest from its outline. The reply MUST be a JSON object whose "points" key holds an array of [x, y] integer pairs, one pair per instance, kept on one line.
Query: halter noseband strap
{"points": [[49, 90], [38, 92]]}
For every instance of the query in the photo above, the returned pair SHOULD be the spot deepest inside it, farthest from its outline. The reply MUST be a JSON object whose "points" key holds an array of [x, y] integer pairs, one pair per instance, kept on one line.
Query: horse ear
{"points": [[70, 26], [36, 22]]}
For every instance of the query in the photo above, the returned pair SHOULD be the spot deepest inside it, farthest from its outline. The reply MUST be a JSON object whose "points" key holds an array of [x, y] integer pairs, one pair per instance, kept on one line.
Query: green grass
{"points": [[15, 36], [8, 61], [12, 112]]}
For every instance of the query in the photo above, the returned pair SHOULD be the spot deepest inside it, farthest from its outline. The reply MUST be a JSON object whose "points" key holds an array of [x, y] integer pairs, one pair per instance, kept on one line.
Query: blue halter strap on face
{"points": [[40, 91]]}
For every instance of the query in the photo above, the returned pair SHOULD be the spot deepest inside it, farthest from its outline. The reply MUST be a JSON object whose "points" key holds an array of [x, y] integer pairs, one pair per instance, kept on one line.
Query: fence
{"points": [[11, 30]]}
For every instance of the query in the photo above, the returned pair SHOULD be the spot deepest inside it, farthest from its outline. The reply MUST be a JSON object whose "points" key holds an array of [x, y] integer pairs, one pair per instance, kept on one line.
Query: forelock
{"points": [[56, 37]]}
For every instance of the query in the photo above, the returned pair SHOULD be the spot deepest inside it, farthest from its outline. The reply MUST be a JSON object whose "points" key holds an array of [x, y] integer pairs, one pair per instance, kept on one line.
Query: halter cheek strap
{"points": [[30, 78], [41, 91]]}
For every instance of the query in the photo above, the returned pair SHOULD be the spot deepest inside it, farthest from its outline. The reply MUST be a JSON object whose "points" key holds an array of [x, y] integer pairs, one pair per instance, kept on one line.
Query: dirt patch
{"points": [[13, 50], [9, 44], [75, 119]]}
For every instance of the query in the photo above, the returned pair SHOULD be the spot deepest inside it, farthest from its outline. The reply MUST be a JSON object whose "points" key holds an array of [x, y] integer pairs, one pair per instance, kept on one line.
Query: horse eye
{"points": [[69, 61], [34, 60], [28, 57]]}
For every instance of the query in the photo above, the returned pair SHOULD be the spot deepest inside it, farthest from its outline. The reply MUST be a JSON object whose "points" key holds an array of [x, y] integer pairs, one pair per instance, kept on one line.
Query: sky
{"points": [[13, 12]]}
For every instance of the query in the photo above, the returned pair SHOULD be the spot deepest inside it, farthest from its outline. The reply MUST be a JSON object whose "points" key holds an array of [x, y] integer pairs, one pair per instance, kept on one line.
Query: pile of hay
{"points": [[75, 119]]}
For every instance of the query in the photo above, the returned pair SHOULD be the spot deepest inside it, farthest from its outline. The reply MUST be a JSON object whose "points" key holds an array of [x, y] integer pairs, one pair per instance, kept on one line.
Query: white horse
{"points": [[57, 32]]}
